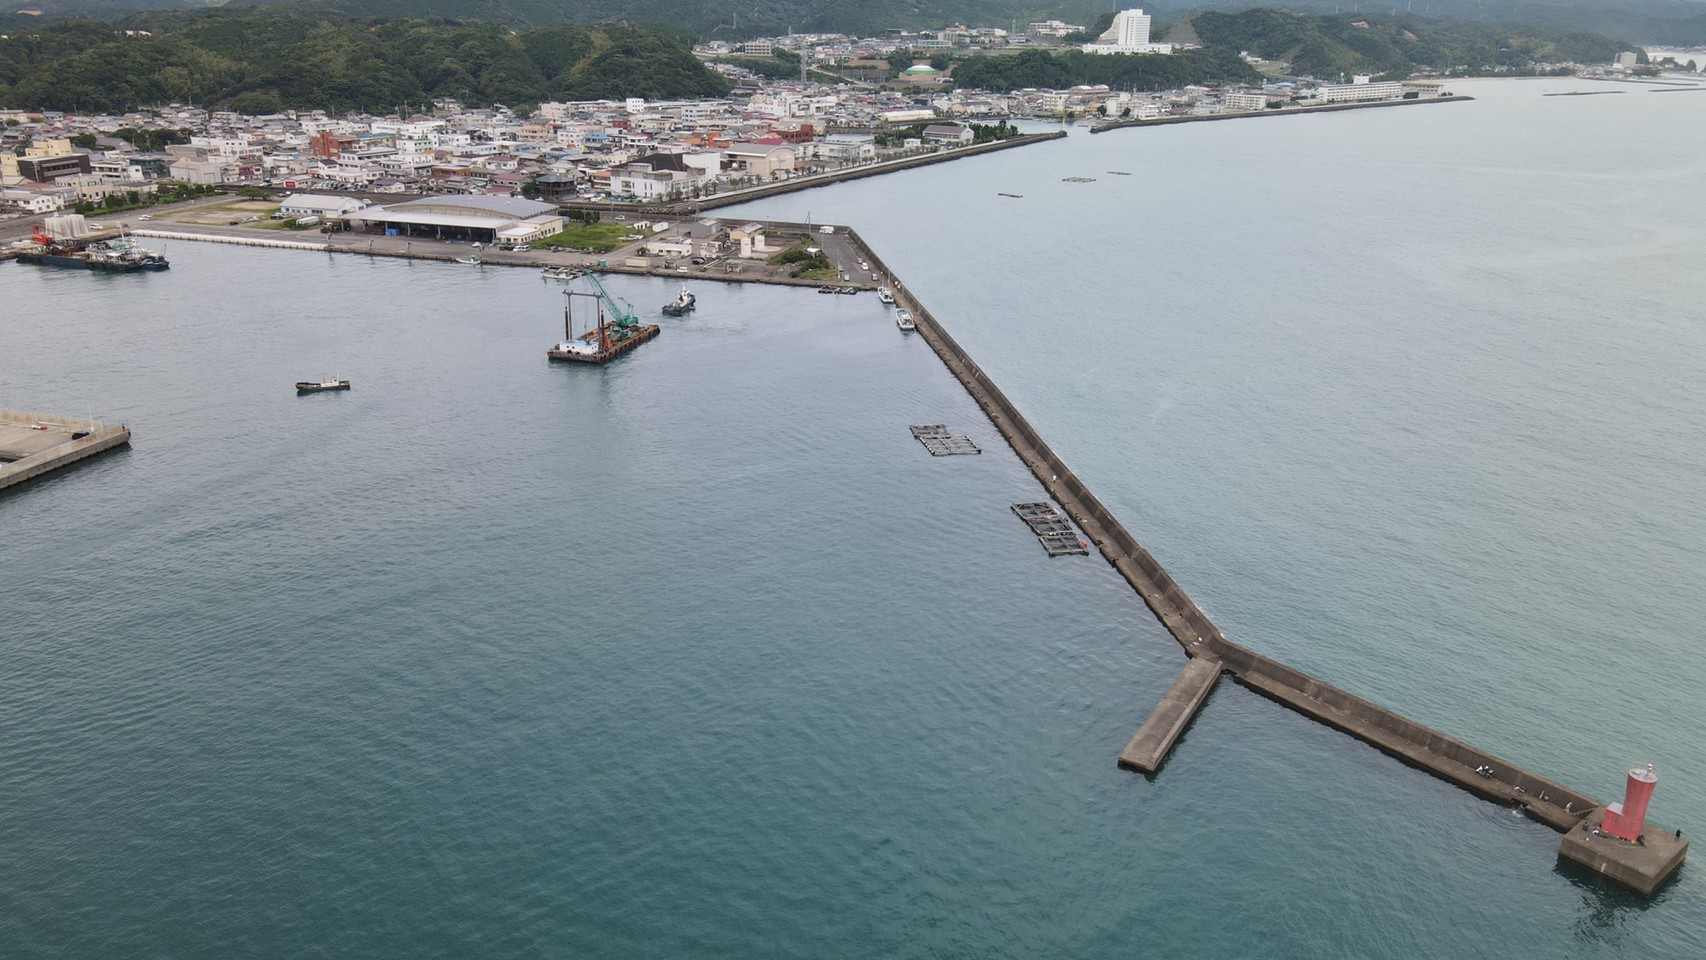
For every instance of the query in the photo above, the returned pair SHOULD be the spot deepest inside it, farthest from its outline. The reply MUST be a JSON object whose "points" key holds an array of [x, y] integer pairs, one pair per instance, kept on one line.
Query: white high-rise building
{"points": [[1129, 33]]}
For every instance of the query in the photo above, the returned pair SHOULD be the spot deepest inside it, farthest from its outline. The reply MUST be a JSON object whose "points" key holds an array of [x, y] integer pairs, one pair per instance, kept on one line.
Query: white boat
{"points": [[885, 296], [904, 320], [472, 260], [559, 273]]}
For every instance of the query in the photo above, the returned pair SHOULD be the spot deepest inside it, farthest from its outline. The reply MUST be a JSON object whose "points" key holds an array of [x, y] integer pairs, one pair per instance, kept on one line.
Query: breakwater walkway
{"points": [[1444, 756]]}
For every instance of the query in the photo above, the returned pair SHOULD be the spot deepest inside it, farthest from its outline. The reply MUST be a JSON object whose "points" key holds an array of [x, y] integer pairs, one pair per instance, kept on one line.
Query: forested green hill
{"points": [[724, 18], [260, 62], [1333, 45]]}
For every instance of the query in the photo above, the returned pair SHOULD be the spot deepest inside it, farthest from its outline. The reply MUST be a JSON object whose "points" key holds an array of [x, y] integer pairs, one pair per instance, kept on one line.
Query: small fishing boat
{"points": [[682, 304], [904, 320], [560, 273], [885, 296], [316, 386], [473, 260], [1016, 196]]}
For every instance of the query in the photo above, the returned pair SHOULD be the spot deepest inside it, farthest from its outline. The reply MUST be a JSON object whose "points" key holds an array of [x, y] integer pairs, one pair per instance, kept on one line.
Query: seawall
{"points": [[855, 173], [1444, 756], [1285, 112]]}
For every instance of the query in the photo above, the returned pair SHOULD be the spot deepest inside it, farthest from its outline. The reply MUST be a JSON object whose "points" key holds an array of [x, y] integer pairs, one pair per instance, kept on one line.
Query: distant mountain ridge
{"points": [[261, 63], [732, 18], [1639, 21], [1335, 46]]}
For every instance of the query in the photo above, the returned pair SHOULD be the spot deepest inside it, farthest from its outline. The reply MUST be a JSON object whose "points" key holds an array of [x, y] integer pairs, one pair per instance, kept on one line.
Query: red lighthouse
{"points": [[1629, 818]]}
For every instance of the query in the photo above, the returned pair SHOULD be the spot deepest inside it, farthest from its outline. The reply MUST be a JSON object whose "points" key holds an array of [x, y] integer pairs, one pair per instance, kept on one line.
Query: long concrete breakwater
{"points": [[794, 184], [1444, 756], [1284, 112]]}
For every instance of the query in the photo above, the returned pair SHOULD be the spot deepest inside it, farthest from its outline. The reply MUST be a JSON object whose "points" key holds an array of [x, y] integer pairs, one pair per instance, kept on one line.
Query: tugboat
{"points": [[904, 320], [119, 255], [317, 386], [681, 305]]}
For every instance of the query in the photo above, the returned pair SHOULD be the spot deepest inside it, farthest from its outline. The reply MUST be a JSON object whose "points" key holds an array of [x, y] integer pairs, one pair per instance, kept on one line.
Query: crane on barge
{"points": [[618, 329], [622, 313]]}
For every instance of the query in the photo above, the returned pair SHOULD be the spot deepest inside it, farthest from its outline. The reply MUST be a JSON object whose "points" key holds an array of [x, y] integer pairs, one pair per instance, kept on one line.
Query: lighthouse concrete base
{"points": [[1643, 867]]}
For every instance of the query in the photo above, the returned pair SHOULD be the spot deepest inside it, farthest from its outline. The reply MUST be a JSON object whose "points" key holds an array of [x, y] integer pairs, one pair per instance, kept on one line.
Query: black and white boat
{"points": [[317, 386], [682, 305]]}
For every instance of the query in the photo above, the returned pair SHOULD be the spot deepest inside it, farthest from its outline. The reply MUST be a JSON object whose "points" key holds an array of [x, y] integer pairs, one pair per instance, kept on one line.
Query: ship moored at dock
{"points": [[118, 255]]}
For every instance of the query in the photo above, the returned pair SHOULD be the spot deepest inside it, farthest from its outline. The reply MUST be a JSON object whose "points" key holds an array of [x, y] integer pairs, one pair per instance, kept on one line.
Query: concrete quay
{"points": [[1155, 739], [1643, 866], [33, 443], [1284, 112]]}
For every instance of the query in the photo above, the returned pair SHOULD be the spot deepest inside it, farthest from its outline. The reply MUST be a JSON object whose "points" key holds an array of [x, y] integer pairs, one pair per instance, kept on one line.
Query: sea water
{"points": [[700, 653]]}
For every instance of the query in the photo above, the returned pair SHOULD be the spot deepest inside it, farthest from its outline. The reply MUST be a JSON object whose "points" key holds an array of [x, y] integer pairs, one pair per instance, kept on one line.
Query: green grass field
{"points": [[596, 237]]}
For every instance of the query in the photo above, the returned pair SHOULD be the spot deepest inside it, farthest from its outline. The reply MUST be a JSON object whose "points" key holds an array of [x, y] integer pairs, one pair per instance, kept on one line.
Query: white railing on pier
{"points": [[220, 238], [30, 417]]}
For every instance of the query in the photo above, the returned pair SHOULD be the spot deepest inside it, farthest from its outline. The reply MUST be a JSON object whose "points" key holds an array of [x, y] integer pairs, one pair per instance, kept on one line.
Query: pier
{"points": [[33, 443]]}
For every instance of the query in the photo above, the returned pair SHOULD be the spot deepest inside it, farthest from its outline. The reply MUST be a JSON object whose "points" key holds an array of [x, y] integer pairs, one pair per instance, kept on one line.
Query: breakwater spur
{"points": [[1483, 774], [1286, 112]]}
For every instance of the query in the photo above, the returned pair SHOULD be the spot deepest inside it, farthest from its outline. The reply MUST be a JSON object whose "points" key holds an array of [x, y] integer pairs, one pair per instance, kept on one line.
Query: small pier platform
{"points": [[638, 335], [1643, 866], [1056, 532], [1155, 739], [941, 443], [34, 443]]}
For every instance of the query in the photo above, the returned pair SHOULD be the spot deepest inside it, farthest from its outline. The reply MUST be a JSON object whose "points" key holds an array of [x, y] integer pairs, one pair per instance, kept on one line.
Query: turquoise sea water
{"points": [[700, 654]]}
